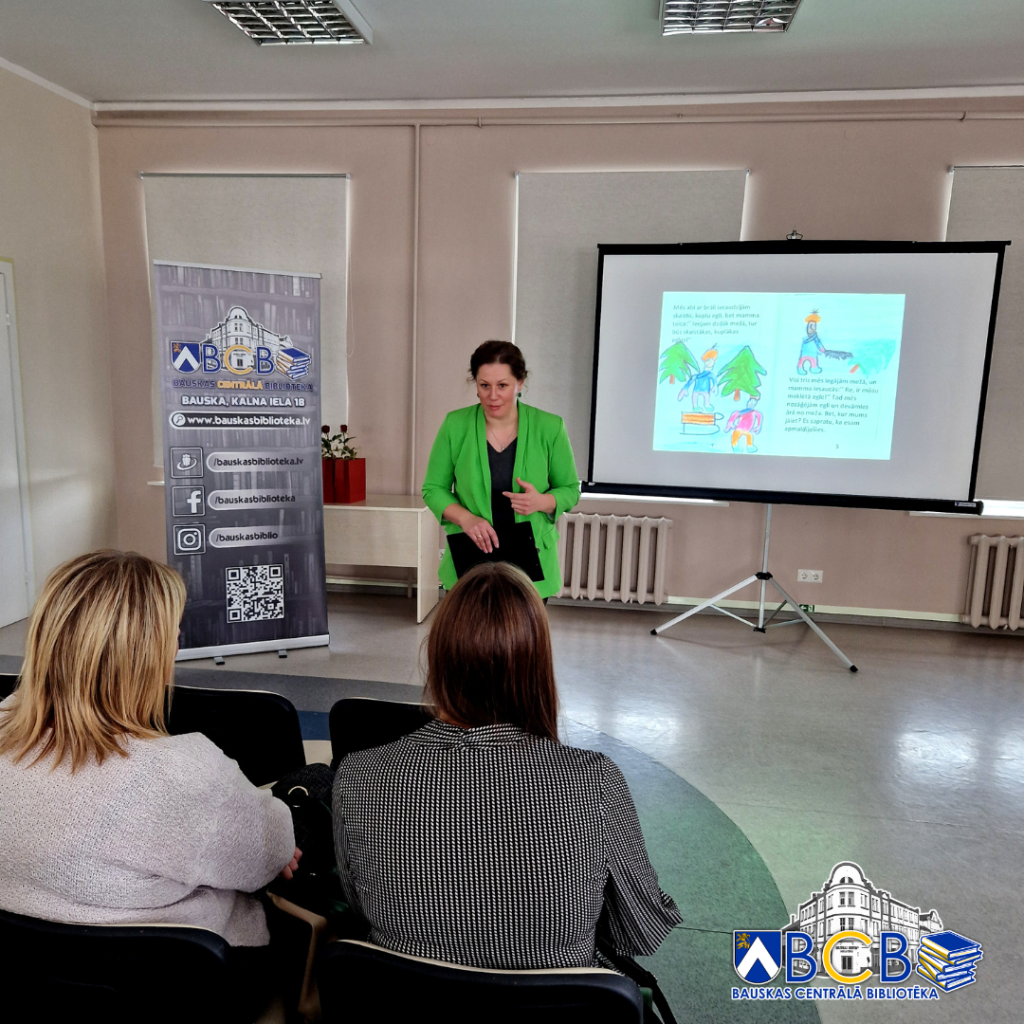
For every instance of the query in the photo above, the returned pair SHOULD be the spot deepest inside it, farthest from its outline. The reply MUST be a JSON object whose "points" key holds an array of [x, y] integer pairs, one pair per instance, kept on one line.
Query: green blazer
{"points": [[458, 471]]}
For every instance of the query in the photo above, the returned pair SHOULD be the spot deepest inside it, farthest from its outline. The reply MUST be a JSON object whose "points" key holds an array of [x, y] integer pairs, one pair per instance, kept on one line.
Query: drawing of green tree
{"points": [[742, 373], [674, 362]]}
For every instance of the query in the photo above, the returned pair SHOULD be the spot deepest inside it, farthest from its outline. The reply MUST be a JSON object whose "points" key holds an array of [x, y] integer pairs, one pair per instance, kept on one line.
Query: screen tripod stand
{"points": [[765, 578]]}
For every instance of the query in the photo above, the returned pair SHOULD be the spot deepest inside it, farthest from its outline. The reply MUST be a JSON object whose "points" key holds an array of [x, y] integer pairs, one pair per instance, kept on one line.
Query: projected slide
{"points": [[756, 373]]}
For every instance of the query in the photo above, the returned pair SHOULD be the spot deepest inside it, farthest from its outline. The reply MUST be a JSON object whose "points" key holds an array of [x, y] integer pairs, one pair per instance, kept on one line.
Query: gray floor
{"points": [[913, 768]]}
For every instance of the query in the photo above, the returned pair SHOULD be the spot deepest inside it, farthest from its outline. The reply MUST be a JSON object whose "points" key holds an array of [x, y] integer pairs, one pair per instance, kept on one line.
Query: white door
{"points": [[15, 546]]}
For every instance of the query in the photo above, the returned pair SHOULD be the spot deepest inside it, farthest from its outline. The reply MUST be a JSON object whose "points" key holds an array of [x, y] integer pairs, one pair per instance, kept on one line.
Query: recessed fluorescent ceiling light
{"points": [[291, 22], [689, 16]]}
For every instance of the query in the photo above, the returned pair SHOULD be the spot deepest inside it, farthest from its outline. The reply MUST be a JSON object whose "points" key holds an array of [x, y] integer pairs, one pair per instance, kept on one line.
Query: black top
{"points": [[516, 545], [497, 849], [502, 467]]}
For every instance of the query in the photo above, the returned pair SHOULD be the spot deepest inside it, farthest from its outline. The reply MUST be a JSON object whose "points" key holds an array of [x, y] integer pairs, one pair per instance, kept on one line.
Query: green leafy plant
{"points": [[337, 446]]}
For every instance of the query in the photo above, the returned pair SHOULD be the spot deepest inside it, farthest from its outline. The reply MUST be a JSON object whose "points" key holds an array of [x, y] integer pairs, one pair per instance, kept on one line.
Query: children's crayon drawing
{"points": [[759, 373]]}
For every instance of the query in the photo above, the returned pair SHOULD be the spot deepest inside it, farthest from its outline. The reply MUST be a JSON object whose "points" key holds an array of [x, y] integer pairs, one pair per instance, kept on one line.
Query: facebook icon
{"points": [[188, 501]]}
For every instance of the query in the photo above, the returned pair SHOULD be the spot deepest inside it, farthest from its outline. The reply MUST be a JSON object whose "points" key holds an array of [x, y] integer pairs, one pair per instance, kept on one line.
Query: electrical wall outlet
{"points": [[810, 575]]}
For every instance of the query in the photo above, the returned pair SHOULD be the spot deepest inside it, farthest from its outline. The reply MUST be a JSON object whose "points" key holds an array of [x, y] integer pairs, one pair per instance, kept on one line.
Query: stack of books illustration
{"points": [[948, 959], [293, 363]]}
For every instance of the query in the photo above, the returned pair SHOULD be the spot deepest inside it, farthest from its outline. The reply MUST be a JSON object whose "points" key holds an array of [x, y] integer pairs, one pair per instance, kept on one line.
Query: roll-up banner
{"points": [[240, 384]]}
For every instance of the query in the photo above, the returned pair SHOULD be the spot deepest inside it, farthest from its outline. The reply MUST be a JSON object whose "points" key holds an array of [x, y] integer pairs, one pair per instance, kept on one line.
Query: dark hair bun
{"points": [[498, 352]]}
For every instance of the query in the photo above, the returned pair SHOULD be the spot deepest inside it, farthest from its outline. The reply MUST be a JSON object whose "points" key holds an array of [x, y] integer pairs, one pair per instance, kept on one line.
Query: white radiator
{"points": [[995, 583], [618, 558]]}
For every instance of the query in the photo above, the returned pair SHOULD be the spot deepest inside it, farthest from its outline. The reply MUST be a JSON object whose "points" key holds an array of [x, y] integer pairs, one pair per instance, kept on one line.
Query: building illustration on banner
{"points": [[847, 932]]}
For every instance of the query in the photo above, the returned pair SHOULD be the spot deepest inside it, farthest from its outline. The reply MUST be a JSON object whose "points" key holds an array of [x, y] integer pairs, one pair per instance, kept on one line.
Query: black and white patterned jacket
{"points": [[497, 849]]}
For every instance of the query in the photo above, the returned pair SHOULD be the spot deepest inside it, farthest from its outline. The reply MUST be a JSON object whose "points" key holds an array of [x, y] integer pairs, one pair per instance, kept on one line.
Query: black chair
{"points": [[118, 975], [362, 982], [358, 723], [7, 684], [260, 730]]}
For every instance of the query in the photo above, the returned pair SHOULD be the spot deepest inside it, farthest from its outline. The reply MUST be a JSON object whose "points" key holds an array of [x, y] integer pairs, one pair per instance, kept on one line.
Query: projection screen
{"points": [[843, 373]]}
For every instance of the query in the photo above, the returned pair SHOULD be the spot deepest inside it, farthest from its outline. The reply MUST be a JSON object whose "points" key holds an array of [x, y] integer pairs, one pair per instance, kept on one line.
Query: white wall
{"points": [[830, 178], [50, 228]]}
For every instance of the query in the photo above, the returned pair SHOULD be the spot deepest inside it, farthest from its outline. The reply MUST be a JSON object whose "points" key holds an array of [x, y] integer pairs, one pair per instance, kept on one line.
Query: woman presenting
{"points": [[499, 463]]}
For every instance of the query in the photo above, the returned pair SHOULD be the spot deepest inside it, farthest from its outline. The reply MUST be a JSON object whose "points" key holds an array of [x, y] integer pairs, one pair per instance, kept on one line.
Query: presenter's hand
{"points": [[531, 500], [481, 533], [293, 865]]}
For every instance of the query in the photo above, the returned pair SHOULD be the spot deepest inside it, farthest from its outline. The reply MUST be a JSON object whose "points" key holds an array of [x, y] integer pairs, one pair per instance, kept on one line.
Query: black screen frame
{"points": [[969, 505]]}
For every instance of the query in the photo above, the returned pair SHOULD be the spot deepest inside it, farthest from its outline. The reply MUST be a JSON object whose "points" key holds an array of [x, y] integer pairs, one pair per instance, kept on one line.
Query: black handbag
{"points": [[315, 885]]}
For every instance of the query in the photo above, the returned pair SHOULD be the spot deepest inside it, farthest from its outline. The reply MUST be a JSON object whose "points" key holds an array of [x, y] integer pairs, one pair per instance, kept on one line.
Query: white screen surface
{"points": [[852, 373]]}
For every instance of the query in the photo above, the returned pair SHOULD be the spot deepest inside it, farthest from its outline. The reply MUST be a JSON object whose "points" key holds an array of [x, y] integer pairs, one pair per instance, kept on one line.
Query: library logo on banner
{"points": [[243, 347], [844, 935], [185, 356]]}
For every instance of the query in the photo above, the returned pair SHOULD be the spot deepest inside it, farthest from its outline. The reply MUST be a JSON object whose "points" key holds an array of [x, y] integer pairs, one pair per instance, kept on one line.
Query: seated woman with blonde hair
{"points": [[480, 839], [104, 817]]}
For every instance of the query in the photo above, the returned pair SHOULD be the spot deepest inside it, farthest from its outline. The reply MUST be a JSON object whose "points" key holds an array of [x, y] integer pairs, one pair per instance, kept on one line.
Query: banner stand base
{"points": [[255, 647]]}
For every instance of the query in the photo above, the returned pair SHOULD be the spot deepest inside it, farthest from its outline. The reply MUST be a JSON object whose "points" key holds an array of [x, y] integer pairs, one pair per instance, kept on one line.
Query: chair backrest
{"points": [[61, 972], [360, 981], [260, 730], [358, 723], [8, 682]]}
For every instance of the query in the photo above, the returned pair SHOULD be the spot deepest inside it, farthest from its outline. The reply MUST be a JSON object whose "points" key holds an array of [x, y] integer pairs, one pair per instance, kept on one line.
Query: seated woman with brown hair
{"points": [[480, 839], [104, 817]]}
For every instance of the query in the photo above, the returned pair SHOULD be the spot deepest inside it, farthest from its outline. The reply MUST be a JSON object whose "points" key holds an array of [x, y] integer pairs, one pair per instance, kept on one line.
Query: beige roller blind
{"points": [[987, 204], [562, 218], [284, 223]]}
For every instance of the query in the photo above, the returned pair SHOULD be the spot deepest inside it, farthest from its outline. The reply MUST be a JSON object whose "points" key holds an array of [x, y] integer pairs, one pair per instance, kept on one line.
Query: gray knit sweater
{"points": [[173, 834]]}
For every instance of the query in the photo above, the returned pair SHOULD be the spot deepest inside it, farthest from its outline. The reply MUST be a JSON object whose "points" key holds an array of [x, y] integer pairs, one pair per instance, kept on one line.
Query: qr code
{"points": [[255, 592]]}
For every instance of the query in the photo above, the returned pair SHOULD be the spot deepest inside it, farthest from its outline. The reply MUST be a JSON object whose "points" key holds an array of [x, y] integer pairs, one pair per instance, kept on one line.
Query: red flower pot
{"points": [[349, 481], [327, 468]]}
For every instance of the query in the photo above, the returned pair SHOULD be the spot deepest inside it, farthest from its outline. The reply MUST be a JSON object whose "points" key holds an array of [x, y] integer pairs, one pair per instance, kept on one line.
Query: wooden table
{"points": [[387, 529]]}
